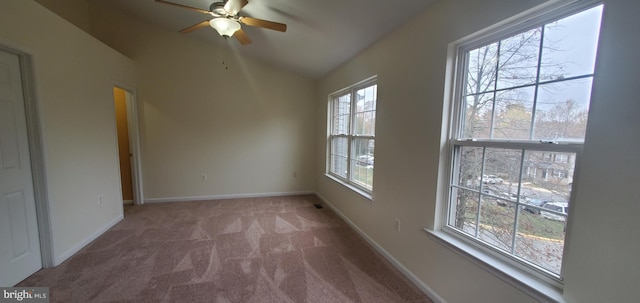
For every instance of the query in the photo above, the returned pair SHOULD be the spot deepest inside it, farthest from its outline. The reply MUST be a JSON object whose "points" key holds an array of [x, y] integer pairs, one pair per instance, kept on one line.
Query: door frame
{"points": [[134, 143], [36, 153]]}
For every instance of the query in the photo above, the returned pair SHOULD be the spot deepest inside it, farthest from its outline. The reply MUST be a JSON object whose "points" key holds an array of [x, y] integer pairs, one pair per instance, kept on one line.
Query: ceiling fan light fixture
{"points": [[224, 26]]}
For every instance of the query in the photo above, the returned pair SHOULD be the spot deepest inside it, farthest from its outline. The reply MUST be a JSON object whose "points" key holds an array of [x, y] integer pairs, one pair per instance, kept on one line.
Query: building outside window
{"points": [[520, 114], [352, 117]]}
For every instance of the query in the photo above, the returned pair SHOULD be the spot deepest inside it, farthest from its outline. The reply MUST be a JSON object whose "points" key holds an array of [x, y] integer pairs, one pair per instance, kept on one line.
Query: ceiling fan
{"points": [[227, 21]]}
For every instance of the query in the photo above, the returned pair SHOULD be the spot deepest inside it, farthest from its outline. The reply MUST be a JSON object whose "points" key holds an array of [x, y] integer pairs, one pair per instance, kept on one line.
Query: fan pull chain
{"points": [[224, 59]]}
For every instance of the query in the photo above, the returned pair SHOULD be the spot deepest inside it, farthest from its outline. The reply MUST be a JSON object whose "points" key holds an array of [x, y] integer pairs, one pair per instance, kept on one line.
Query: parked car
{"points": [[559, 207], [500, 198], [365, 160], [534, 202], [491, 179]]}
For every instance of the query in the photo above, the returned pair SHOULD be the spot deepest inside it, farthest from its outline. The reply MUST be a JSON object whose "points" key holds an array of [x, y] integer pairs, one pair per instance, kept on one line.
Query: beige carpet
{"points": [[275, 249]]}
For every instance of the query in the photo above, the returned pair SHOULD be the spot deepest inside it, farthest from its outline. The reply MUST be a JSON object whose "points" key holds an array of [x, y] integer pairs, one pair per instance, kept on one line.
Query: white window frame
{"points": [[539, 283], [347, 181]]}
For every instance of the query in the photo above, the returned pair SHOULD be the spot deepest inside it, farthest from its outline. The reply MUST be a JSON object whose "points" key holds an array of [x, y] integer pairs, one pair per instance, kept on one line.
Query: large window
{"points": [[352, 116], [520, 115]]}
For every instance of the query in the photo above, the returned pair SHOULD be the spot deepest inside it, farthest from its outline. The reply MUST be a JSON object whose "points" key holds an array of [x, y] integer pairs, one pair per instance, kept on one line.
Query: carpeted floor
{"points": [[275, 249]]}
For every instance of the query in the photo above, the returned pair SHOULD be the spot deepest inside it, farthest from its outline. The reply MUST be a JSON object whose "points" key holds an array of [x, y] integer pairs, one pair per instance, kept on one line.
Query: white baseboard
{"points": [[59, 259], [405, 271], [231, 196]]}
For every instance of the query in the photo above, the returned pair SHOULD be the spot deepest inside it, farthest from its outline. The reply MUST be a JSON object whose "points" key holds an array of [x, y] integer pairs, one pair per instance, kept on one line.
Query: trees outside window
{"points": [[521, 112]]}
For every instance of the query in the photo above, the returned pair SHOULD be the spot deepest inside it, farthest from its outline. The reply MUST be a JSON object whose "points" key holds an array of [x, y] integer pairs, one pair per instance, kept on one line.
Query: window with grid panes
{"points": [[520, 114], [352, 116]]}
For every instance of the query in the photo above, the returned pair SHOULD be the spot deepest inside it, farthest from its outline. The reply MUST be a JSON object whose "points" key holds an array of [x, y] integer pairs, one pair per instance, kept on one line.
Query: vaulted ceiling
{"points": [[321, 35]]}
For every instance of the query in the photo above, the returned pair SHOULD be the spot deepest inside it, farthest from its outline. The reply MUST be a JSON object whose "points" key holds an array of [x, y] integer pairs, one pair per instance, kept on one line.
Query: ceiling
{"points": [[321, 35]]}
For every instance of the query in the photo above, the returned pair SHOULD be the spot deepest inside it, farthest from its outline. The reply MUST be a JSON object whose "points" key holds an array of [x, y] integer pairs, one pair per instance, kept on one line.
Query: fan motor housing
{"points": [[217, 9]]}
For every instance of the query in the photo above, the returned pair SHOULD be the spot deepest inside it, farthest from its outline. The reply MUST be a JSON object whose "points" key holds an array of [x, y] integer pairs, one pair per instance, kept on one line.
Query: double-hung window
{"points": [[518, 125], [352, 119]]}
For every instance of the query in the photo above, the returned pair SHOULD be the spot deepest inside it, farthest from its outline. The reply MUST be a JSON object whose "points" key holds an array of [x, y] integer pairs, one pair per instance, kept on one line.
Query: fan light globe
{"points": [[225, 27]]}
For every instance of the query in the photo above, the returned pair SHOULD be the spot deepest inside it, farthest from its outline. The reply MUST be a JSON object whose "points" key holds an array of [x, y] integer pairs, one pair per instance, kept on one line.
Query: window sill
{"points": [[524, 282], [365, 194]]}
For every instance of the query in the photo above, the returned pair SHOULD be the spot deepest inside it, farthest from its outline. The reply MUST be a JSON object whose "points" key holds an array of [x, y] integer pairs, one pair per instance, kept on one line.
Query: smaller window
{"points": [[352, 118], [562, 158]]}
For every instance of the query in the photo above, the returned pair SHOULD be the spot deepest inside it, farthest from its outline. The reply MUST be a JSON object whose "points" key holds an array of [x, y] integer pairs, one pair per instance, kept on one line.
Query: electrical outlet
{"points": [[100, 200], [397, 224], [204, 177]]}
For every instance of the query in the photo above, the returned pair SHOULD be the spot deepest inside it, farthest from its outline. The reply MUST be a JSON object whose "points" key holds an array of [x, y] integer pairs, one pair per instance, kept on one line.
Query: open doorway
{"points": [[128, 146]]}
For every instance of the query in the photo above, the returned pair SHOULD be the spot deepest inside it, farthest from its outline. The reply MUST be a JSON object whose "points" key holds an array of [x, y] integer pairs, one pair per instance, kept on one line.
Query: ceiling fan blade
{"points": [[195, 27], [184, 6], [242, 37], [281, 27], [234, 6]]}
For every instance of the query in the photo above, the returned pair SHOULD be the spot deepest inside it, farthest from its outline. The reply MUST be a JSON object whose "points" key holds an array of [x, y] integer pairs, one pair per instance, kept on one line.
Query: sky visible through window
{"points": [[523, 86], [572, 43]]}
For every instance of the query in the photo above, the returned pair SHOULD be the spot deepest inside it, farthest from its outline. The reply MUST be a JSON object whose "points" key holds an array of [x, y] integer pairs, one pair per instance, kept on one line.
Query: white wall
{"points": [[249, 127], [410, 63], [74, 77], [603, 265]]}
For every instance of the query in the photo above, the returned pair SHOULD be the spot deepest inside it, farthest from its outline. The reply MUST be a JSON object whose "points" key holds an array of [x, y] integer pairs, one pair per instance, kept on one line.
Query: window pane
{"points": [[519, 59], [464, 216], [548, 176], [470, 167], [570, 45], [481, 69], [339, 153], [365, 111], [540, 228], [497, 222], [364, 123], [514, 109], [362, 162], [341, 114], [540, 240], [478, 113], [502, 172], [562, 109], [546, 188]]}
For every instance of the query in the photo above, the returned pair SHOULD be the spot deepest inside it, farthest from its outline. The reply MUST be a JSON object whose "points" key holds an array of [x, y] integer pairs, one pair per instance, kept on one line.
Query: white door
{"points": [[19, 242]]}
